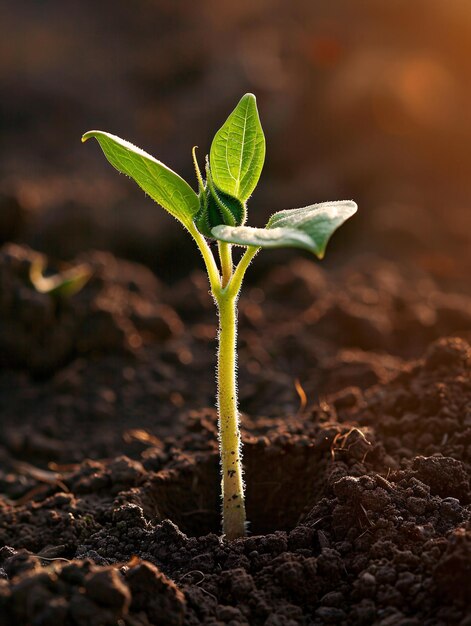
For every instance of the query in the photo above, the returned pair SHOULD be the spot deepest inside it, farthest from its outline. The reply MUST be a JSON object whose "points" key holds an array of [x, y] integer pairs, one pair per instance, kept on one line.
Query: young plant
{"points": [[61, 285], [219, 211]]}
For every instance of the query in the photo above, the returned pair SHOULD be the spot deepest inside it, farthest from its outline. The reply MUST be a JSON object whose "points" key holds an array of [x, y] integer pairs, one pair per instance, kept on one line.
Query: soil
{"points": [[354, 374], [355, 394]]}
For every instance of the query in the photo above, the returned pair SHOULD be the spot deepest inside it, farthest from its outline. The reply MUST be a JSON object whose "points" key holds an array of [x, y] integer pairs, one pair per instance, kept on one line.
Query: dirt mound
{"points": [[86, 594], [117, 310]]}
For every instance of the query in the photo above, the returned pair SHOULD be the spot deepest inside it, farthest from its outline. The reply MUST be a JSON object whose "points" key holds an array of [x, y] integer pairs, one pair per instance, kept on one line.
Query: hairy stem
{"points": [[238, 276], [225, 255], [225, 291], [209, 261], [233, 506]]}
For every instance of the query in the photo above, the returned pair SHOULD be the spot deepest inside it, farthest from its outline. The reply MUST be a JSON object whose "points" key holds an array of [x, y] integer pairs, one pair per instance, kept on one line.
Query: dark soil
{"points": [[354, 374], [355, 389]]}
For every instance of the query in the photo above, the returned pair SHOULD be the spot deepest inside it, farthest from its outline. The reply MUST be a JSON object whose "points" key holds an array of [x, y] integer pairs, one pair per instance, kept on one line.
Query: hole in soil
{"points": [[281, 484]]}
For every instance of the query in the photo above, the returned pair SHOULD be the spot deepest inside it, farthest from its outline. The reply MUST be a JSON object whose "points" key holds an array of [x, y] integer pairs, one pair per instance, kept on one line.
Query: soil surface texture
{"points": [[355, 393]]}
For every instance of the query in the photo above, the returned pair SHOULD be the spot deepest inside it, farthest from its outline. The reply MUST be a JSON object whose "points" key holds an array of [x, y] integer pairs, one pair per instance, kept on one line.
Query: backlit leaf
{"points": [[160, 182], [238, 151], [309, 227]]}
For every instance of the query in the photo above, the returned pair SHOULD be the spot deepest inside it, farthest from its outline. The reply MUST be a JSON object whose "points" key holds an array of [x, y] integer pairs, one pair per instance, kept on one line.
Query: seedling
{"points": [[62, 285], [219, 211]]}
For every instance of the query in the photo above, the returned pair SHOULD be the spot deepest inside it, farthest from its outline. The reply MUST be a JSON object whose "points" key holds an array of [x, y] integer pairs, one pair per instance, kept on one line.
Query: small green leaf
{"points": [[309, 227], [216, 207], [238, 151], [231, 210], [161, 183]]}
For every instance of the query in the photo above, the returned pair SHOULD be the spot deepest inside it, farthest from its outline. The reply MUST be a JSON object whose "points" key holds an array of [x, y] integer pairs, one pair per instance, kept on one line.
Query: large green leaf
{"points": [[309, 227], [238, 151], [161, 183]]}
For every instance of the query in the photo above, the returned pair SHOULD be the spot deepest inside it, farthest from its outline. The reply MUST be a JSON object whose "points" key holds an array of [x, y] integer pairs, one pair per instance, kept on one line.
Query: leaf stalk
{"points": [[225, 256]]}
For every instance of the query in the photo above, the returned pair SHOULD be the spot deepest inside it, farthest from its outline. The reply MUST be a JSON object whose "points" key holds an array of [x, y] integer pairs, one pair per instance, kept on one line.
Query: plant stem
{"points": [[238, 276], [210, 263], [225, 255], [233, 507], [225, 291]]}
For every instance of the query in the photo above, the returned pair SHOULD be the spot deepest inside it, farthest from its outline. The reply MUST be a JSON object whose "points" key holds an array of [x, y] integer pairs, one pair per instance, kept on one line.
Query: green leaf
{"points": [[238, 151], [231, 210], [161, 183], [309, 227]]}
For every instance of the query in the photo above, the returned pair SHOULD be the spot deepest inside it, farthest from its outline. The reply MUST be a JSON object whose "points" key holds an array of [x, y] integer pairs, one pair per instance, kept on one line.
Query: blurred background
{"points": [[366, 100]]}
